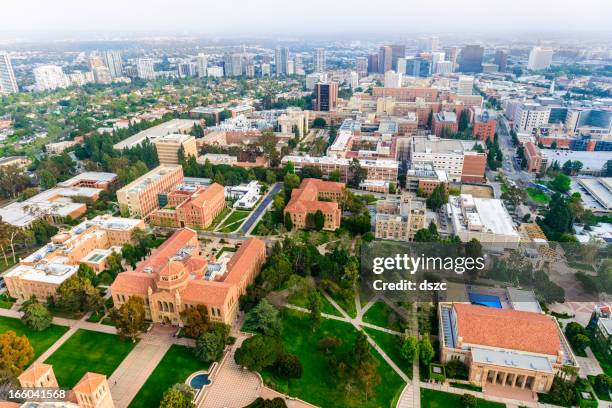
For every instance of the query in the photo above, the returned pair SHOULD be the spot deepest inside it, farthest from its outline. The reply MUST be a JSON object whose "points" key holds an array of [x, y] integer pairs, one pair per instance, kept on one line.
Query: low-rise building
{"points": [[92, 179], [19, 161], [173, 126], [176, 277], [89, 243], [140, 197], [245, 195], [533, 158], [188, 206], [307, 200], [399, 218], [169, 146], [442, 121], [58, 147], [424, 178], [485, 123]]}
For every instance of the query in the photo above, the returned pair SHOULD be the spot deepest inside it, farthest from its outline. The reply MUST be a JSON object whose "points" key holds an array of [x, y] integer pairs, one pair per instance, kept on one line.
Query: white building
{"points": [[215, 72], [8, 84], [181, 126], [484, 219], [202, 62], [352, 79], [246, 195], [465, 85], [529, 116], [313, 79], [444, 67], [540, 58], [319, 60], [393, 79], [49, 77], [102, 75], [112, 60], [144, 68]]}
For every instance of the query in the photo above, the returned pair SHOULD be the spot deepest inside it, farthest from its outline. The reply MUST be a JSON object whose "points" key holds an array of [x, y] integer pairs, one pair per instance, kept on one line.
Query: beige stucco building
{"points": [[168, 147], [399, 218]]}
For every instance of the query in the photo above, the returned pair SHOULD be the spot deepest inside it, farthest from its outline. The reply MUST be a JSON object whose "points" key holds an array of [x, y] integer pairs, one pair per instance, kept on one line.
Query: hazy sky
{"points": [[299, 17]]}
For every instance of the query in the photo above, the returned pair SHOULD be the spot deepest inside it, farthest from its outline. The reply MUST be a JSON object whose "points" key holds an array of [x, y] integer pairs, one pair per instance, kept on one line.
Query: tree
{"points": [[410, 348], [86, 272], [319, 123], [438, 197], [15, 353], [358, 173], [426, 351], [35, 315], [258, 352], [392, 188], [558, 219], [290, 182], [561, 183], [581, 342], [468, 401], [195, 321], [178, 396], [46, 180], [464, 120], [77, 294], [129, 318], [562, 392], [271, 403], [314, 304], [335, 176], [210, 345], [288, 222], [473, 250], [319, 220], [263, 319], [289, 366]]}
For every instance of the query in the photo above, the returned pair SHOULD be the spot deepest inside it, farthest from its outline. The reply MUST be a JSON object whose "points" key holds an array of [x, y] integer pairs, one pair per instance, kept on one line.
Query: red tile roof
{"points": [[160, 256], [243, 259], [507, 329], [305, 198], [133, 282]]}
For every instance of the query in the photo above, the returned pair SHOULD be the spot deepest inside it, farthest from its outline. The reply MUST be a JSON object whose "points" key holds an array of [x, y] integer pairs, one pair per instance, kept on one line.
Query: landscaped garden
{"points": [[218, 219], [319, 385], [233, 221], [39, 340], [538, 196], [439, 399], [88, 351], [177, 364], [391, 344], [381, 314]]}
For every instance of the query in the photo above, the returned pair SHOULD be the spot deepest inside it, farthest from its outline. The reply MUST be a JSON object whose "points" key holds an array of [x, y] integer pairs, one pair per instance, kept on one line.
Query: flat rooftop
{"points": [[163, 129], [150, 177], [592, 161], [96, 176], [433, 144], [600, 189]]}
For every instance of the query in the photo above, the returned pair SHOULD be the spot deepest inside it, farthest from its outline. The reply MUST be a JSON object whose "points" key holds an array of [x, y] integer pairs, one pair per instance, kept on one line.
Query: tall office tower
{"points": [[540, 58], [8, 84], [393, 79], [470, 59], [361, 64], [144, 68], [450, 54], [418, 67], [299, 65], [319, 60], [465, 85], [112, 60], [397, 51], [265, 69], [236, 64], [202, 61], [436, 57], [444, 67], [428, 44], [49, 77], [501, 59], [327, 96], [352, 79], [95, 60], [281, 58], [250, 70], [401, 65], [385, 59], [186, 69], [373, 63], [290, 67], [102, 75]]}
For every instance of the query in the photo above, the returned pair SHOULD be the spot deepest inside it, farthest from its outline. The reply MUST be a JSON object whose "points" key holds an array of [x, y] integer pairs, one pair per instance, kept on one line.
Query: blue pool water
{"points": [[485, 300], [199, 381]]}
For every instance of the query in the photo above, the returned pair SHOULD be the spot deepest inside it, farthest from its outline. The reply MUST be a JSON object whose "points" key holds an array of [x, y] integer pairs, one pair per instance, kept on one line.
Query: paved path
{"points": [[136, 367], [256, 215], [589, 364]]}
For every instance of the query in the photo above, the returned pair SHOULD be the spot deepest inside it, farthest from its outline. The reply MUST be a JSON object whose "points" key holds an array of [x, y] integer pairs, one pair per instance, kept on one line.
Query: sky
{"points": [[301, 18]]}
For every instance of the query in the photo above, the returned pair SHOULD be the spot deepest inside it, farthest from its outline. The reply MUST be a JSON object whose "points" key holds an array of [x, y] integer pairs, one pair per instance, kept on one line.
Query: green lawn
{"points": [[318, 385], [40, 341], [392, 346], [5, 301], [218, 219], [538, 196], [233, 221], [439, 399], [301, 300], [381, 314], [348, 306], [178, 364], [88, 351]]}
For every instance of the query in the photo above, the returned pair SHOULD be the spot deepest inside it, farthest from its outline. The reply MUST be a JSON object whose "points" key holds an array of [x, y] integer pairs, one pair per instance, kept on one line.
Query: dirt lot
{"points": [[477, 191]]}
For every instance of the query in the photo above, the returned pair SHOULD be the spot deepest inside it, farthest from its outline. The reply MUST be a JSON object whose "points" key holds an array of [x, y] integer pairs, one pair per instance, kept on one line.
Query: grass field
{"points": [[5, 301], [176, 365], [439, 399], [233, 221], [302, 301], [392, 346], [381, 314], [537, 196], [218, 219], [88, 351], [318, 385], [40, 341]]}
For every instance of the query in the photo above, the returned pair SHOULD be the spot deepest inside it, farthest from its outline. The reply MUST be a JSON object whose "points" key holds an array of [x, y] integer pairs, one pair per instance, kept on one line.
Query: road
{"points": [[256, 215], [510, 167]]}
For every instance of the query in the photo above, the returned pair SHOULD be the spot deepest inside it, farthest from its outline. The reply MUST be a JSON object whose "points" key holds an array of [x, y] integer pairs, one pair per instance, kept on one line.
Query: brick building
{"points": [[305, 200]]}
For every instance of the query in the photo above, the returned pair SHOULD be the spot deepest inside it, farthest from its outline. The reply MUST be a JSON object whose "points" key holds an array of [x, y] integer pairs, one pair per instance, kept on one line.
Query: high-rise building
{"points": [[49, 77], [540, 58], [418, 67], [373, 63], [186, 69], [362, 66], [327, 96], [397, 51], [299, 65], [265, 69], [319, 60], [250, 70], [393, 79], [112, 60], [385, 59], [436, 57], [444, 67], [465, 85], [281, 59], [290, 67], [401, 65], [202, 62], [144, 68], [428, 44], [233, 64], [102, 75], [470, 59], [95, 60], [8, 84], [501, 59], [450, 54], [529, 116], [352, 80]]}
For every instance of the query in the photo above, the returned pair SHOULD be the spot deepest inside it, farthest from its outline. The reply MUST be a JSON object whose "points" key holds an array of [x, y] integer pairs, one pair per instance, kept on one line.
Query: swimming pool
{"points": [[199, 381], [485, 300]]}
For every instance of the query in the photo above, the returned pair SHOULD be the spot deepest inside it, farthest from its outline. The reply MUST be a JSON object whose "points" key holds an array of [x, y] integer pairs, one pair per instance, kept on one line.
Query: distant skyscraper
{"points": [[112, 60], [299, 65], [265, 69], [436, 57], [465, 85], [327, 96], [373, 63], [49, 77], [501, 59], [540, 58], [401, 65], [450, 54], [362, 66], [233, 64], [281, 59], [470, 59], [397, 51], [418, 67], [319, 60], [144, 68], [95, 60], [428, 44], [102, 75], [202, 61], [385, 59], [393, 79], [186, 69], [8, 84]]}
